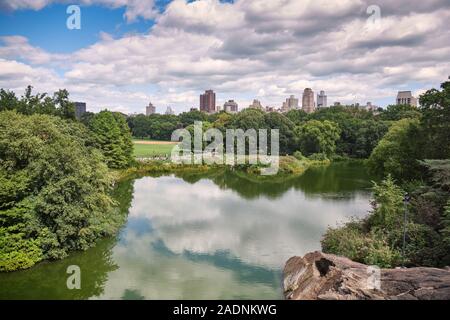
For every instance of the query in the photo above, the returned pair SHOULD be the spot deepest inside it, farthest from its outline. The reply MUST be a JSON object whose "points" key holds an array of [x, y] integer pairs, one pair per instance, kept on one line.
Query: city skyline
{"points": [[128, 53], [309, 105]]}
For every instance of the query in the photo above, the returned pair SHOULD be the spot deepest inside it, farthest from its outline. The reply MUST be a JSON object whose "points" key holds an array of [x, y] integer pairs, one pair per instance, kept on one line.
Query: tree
{"points": [[297, 116], [318, 137], [388, 206], [112, 136], [285, 126], [435, 107], [39, 103], [398, 151], [8, 100], [54, 190], [400, 111], [188, 118], [249, 119], [140, 126], [65, 108]]}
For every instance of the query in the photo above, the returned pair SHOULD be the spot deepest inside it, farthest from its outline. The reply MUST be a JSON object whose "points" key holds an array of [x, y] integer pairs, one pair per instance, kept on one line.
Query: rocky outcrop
{"points": [[320, 276]]}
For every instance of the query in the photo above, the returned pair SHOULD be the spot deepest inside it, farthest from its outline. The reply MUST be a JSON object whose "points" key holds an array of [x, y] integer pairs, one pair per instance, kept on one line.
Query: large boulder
{"points": [[320, 276]]}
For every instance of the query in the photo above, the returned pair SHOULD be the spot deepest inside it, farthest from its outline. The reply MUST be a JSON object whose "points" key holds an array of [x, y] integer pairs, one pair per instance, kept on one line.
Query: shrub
{"points": [[298, 155], [369, 248], [318, 157]]}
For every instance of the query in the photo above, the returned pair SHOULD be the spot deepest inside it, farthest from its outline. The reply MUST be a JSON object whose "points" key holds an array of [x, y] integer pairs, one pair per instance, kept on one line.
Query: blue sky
{"points": [[46, 28], [130, 52]]}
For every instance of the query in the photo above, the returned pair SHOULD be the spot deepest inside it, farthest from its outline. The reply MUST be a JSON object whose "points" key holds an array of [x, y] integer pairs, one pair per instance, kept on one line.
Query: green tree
{"points": [[285, 126], [140, 126], [249, 119], [188, 118], [398, 151], [65, 108], [112, 136], [318, 137], [400, 111], [8, 100], [435, 107], [54, 190], [297, 116]]}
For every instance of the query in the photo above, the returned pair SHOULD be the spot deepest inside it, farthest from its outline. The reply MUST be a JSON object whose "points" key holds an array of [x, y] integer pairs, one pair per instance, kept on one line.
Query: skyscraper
{"points": [[406, 97], [321, 100], [308, 101], [208, 101], [80, 109], [230, 106], [150, 109], [256, 105], [290, 104]]}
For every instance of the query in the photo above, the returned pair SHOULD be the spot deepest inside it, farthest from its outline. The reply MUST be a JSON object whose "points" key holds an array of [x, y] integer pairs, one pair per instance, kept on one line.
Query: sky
{"points": [[128, 53]]}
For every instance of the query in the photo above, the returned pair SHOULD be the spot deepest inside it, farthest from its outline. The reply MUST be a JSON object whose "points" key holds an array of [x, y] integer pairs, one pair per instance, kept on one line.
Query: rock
{"points": [[321, 276]]}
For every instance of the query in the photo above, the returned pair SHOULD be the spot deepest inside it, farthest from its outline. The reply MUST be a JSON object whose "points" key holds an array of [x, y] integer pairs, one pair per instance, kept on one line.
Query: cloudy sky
{"points": [[130, 52]]}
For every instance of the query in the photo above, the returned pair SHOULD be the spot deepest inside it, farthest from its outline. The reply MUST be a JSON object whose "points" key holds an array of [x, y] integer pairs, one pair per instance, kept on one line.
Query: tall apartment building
{"points": [[406, 97], [256, 105], [230, 106], [208, 101], [80, 109], [290, 104], [308, 101], [321, 100], [150, 109]]}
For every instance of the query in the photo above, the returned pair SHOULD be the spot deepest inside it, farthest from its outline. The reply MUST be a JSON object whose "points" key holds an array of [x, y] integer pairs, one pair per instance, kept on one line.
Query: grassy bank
{"points": [[288, 166]]}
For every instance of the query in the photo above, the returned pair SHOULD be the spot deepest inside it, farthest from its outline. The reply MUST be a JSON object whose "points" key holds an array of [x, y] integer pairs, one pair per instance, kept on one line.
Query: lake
{"points": [[216, 235]]}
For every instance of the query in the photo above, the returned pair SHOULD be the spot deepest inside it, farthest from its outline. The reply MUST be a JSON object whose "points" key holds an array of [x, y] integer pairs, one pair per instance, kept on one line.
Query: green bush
{"points": [[352, 242], [298, 155], [318, 157]]}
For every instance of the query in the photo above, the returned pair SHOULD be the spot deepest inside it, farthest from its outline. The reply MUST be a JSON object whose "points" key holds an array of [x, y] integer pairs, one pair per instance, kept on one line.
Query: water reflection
{"points": [[214, 236]]}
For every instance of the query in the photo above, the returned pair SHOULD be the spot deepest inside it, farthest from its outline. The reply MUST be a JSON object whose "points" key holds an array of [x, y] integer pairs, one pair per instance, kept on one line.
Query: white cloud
{"points": [[251, 48]]}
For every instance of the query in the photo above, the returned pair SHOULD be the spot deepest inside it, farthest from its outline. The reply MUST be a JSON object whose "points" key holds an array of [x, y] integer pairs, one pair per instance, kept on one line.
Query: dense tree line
{"points": [[345, 131], [403, 156]]}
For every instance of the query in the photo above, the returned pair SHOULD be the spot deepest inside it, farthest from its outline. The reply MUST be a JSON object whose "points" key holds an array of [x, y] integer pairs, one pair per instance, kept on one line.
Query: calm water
{"points": [[214, 236]]}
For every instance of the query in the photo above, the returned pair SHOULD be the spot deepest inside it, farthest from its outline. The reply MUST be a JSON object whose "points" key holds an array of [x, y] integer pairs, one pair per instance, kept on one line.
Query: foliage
{"points": [[446, 224], [318, 137], [298, 155], [388, 205], [378, 239], [396, 154], [53, 192], [372, 240], [39, 103], [318, 156], [360, 130], [351, 242], [155, 126], [400, 111], [435, 108], [112, 136], [287, 140], [415, 138]]}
